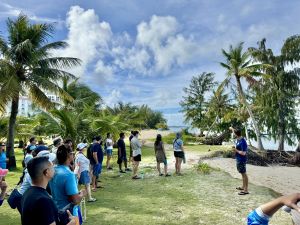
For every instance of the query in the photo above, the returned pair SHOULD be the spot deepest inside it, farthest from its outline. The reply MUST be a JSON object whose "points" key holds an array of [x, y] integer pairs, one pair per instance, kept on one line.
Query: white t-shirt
{"points": [[82, 163], [26, 183], [109, 143], [27, 158], [136, 147]]}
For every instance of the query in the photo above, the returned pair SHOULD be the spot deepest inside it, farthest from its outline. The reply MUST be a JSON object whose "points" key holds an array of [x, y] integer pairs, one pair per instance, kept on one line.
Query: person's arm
{"points": [[95, 156], [244, 147], [76, 199], [289, 200]]}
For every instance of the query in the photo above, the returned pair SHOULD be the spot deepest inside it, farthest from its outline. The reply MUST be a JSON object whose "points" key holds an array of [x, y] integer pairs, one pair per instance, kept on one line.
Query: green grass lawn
{"points": [[190, 199]]}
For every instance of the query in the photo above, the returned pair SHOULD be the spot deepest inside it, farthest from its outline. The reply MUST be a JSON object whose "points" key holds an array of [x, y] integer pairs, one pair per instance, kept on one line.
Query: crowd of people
{"points": [[49, 184]]}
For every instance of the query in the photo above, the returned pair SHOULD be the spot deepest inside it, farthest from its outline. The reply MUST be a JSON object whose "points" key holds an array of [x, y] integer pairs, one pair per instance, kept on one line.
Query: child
{"points": [[82, 167]]}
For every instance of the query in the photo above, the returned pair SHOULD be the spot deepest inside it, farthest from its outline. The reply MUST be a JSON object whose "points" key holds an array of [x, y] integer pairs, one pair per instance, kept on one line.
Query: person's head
{"points": [[122, 135], [64, 155], [68, 142], [40, 169], [32, 141], [132, 132], [57, 142], [108, 135], [98, 139], [41, 142], [50, 155], [158, 139], [178, 135], [81, 146], [30, 149], [2, 146], [237, 132], [135, 133]]}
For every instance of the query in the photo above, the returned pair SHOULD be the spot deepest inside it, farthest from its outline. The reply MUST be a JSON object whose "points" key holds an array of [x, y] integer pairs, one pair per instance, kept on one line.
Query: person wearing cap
{"points": [[263, 214], [240, 149], [178, 153], [41, 147], [3, 158], [82, 167]]}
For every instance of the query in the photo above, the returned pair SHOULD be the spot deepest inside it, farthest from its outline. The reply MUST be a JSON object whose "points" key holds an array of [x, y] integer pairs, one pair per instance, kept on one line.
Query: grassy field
{"points": [[190, 199]]}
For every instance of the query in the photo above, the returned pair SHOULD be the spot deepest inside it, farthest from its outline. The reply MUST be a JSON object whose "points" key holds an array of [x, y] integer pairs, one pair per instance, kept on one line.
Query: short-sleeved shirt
{"points": [[82, 162], [177, 145], [3, 160], [136, 147], [38, 207], [241, 145], [109, 143], [27, 158], [96, 147], [26, 184], [62, 185], [121, 145]]}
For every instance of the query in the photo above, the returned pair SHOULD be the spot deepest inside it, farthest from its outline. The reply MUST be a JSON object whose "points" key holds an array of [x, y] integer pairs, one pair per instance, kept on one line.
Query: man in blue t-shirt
{"points": [[96, 161], [240, 150]]}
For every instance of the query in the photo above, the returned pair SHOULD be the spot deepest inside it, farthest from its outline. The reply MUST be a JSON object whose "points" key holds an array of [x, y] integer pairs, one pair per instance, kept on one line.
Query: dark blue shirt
{"points": [[122, 147], [241, 145], [96, 147]]}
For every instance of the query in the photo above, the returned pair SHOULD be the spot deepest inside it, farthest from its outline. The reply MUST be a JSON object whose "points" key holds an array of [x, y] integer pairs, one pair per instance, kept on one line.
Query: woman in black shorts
{"points": [[178, 153]]}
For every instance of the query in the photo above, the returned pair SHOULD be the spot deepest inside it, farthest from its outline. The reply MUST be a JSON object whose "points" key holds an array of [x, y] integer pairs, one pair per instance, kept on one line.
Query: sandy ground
{"points": [[284, 180]]}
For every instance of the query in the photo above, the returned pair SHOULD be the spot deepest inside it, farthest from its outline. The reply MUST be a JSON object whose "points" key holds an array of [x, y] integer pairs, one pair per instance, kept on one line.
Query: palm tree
{"points": [[238, 65], [28, 67], [276, 96]]}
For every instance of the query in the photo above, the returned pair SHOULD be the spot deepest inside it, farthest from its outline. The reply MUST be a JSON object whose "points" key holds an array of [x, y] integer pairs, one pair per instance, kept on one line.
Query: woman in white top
{"points": [[109, 149], [82, 170]]}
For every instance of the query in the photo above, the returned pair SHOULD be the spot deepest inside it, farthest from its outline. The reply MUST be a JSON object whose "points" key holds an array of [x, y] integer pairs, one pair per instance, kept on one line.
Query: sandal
{"points": [[239, 188], [243, 193]]}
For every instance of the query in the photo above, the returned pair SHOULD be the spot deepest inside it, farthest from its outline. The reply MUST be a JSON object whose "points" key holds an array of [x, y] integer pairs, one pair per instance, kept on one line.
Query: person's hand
{"points": [[71, 218], [291, 201]]}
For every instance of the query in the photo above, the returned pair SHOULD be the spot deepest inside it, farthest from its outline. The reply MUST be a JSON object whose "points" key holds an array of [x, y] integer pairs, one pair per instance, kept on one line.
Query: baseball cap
{"points": [[32, 147], [81, 146], [48, 154]]}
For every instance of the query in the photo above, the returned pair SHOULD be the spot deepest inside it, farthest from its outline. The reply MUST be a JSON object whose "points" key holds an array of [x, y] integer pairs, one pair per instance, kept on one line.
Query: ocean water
{"points": [[268, 144]]}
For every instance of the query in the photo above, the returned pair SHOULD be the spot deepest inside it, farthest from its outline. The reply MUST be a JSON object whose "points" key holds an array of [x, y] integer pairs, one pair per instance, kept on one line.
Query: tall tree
{"points": [[238, 65], [193, 103], [277, 95], [28, 67]]}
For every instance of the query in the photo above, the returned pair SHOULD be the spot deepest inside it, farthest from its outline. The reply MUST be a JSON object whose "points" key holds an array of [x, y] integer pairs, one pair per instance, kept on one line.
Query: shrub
{"points": [[204, 168]]}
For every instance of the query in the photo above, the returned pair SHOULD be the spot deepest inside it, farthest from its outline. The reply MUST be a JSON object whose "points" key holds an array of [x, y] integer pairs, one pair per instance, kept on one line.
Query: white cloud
{"points": [[113, 98]]}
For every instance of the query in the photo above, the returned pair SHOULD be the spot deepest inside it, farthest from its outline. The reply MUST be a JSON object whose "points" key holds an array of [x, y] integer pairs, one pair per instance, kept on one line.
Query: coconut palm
{"points": [[238, 65], [28, 67], [276, 96]]}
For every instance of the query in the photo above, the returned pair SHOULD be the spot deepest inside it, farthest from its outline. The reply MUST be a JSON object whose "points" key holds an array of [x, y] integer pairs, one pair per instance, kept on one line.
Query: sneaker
{"points": [[122, 171], [109, 168], [128, 170], [167, 175], [160, 174], [136, 177], [92, 200]]}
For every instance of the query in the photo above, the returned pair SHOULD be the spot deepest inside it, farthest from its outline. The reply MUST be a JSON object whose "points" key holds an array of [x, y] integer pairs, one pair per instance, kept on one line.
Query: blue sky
{"points": [[145, 52]]}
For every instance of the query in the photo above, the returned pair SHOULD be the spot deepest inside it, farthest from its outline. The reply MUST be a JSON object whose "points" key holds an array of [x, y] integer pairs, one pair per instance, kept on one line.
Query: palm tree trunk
{"points": [[244, 102], [11, 133], [281, 128]]}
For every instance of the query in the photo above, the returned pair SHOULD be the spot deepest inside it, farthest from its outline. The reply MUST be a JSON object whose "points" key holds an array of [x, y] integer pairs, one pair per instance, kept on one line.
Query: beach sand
{"points": [[284, 180]]}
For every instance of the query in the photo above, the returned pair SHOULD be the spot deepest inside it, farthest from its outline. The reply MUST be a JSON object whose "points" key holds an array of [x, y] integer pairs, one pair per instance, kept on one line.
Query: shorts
{"points": [[84, 178], [121, 159], [255, 219], [241, 167], [137, 158], [179, 154], [109, 152], [97, 168]]}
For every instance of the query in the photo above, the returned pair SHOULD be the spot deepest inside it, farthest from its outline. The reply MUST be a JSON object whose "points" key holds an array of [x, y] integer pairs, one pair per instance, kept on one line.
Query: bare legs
{"points": [[165, 169], [178, 165], [108, 161], [245, 182]]}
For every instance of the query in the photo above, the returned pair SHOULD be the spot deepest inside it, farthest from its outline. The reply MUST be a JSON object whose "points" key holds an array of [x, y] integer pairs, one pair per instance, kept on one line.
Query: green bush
{"points": [[204, 168]]}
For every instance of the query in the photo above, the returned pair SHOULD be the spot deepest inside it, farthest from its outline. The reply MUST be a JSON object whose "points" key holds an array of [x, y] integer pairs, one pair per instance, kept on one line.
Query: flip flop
{"points": [[243, 193], [239, 188]]}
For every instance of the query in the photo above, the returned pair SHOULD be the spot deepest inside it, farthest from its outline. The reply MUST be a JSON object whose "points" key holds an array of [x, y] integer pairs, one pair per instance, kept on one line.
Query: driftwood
{"points": [[215, 140]]}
